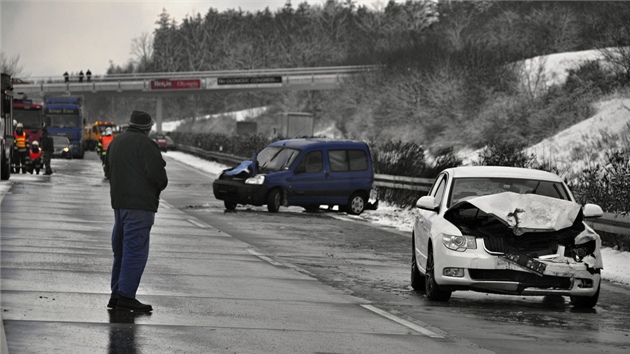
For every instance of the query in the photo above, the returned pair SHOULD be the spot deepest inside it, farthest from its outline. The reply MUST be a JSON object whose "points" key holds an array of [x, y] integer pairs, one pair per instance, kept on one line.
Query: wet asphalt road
{"points": [[212, 293], [251, 282]]}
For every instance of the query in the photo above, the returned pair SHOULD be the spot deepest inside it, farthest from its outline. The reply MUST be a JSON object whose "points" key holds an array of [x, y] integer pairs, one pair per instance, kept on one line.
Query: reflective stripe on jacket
{"points": [[20, 140]]}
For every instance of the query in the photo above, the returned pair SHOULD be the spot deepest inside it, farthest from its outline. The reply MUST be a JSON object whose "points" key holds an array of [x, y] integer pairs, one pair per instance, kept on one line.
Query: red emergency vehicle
{"points": [[30, 114]]}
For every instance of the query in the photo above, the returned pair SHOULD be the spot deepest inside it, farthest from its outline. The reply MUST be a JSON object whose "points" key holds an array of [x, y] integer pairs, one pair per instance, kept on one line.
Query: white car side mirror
{"points": [[427, 202], [592, 211]]}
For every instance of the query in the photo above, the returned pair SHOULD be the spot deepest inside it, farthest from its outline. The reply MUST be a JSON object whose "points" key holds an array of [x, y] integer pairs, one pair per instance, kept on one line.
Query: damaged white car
{"points": [[505, 230]]}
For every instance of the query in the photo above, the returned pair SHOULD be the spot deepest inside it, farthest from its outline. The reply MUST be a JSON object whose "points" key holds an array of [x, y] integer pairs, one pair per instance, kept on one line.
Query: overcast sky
{"points": [[54, 36]]}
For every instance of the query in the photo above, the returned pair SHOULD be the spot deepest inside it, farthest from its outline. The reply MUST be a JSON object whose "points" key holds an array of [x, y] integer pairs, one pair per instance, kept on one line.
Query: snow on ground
{"points": [[576, 148], [616, 264], [573, 148], [579, 146], [548, 70], [237, 115]]}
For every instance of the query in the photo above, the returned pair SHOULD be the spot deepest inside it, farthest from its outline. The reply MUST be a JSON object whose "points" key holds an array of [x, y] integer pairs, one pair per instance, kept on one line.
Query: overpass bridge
{"points": [[165, 84]]}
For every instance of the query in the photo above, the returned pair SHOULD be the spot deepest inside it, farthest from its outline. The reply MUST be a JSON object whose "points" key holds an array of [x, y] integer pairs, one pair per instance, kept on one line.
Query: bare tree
{"points": [[142, 50], [11, 65], [618, 57]]}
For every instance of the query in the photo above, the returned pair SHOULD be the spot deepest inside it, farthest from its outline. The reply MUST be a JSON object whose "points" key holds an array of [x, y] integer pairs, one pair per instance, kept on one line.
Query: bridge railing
{"points": [[613, 223], [332, 70]]}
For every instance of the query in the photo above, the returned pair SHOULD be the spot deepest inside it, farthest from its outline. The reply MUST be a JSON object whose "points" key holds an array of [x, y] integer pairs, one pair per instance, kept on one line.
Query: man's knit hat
{"points": [[141, 120]]}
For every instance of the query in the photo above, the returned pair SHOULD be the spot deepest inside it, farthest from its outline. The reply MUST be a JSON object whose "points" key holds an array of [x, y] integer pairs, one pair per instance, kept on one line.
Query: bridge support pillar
{"points": [[158, 114]]}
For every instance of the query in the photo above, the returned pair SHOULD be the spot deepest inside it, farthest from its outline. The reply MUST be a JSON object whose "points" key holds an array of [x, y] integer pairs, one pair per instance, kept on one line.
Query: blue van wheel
{"points": [[273, 200], [356, 204]]}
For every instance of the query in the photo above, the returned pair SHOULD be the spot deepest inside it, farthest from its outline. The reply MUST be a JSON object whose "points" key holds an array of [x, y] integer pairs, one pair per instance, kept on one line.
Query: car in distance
{"points": [[161, 140], [170, 144], [61, 147], [505, 230], [301, 172]]}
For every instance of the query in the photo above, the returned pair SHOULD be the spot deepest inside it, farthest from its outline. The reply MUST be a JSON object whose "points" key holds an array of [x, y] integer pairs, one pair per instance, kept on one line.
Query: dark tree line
{"points": [[449, 74]]}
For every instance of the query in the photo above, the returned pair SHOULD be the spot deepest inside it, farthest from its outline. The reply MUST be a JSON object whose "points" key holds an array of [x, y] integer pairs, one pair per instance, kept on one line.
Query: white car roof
{"points": [[502, 171]]}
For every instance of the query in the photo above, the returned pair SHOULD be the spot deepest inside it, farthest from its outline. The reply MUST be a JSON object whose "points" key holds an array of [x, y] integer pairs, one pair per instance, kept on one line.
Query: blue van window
{"points": [[312, 162], [358, 160], [338, 160], [347, 160], [276, 158]]}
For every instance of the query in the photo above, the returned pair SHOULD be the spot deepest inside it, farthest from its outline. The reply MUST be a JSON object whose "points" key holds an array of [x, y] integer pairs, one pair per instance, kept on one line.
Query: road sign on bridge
{"points": [[248, 80], [167, 84]]}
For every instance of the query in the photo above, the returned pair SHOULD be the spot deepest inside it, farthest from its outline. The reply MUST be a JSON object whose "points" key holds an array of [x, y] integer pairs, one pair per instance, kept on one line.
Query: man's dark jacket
{"points": [[136, 171], [47, 144]]}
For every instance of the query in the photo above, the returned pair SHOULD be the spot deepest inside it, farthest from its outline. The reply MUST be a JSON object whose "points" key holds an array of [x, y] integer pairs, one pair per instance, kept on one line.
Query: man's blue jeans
{"points": [[130, 243]]}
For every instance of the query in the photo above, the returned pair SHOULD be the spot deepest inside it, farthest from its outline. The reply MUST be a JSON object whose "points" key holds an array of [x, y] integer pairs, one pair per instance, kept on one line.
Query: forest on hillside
{"points": [[450, 72]]}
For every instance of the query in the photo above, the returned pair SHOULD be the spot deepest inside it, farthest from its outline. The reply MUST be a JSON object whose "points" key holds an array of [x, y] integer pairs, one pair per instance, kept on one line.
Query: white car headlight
{"points": [[458, 242], [258, 179]]}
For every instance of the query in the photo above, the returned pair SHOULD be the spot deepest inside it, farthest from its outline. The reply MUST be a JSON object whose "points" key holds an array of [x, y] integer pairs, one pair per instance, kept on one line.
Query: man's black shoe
{"points": [[128, 304], [112, 303]]}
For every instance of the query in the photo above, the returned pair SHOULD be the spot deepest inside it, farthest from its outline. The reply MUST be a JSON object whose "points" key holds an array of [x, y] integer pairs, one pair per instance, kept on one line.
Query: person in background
{"points": [[81, 76], [88, 75], [35, 157], [66, 77], [20, 149], [137, 175], [48, 147], [103, 144]]}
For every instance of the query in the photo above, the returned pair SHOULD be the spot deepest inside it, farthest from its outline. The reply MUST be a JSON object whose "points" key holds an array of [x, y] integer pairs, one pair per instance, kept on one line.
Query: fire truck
{"points": [[30, 114], [6, 123], [94, 133]]}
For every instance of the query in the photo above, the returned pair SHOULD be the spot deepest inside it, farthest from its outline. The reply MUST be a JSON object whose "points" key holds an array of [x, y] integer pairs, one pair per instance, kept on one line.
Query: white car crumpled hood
{"points": [[528, 212], [524, 213]]}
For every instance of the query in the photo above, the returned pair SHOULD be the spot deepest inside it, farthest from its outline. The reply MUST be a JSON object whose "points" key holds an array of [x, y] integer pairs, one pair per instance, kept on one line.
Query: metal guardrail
{"points": [[613, 223], [403, 182], [212, 155]]}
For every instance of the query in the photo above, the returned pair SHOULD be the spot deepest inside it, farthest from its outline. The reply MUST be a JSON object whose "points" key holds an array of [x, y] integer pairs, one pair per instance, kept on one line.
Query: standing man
{"points": [[48, 148], [137, 175]]}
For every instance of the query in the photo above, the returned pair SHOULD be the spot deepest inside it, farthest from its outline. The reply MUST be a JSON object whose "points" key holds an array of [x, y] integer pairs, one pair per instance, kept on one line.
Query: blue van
{"points": [[301, 172]]}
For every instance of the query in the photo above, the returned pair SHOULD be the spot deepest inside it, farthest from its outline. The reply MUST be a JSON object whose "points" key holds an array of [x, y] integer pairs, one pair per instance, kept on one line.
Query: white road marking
{"points": [[198, 223], [405, 323], [264, 258]]}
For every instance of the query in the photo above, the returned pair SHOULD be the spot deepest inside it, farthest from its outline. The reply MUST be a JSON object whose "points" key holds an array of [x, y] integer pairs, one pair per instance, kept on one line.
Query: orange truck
{"points": [[94, 132]]}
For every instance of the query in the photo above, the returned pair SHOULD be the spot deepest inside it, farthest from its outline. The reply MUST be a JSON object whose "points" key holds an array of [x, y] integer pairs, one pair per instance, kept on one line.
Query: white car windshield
{"points": [[467, 188]]}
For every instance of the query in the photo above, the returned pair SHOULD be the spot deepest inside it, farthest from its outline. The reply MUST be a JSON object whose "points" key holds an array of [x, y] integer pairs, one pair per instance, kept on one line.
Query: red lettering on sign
{"points": [[165, 84]]}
